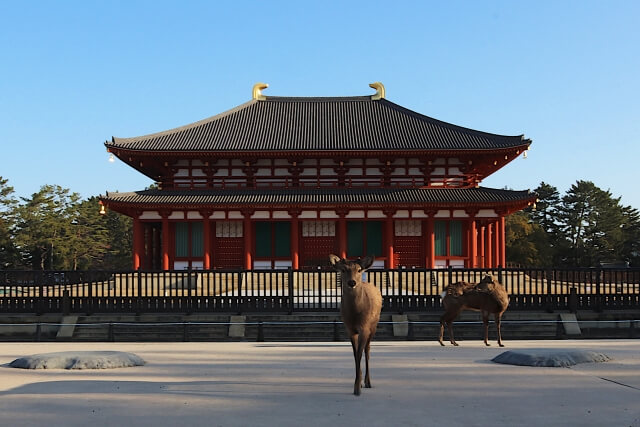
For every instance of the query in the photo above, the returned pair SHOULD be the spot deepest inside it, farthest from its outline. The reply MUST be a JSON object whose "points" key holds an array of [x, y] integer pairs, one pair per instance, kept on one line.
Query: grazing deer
{"points": [[360, 309], [488, 297]]}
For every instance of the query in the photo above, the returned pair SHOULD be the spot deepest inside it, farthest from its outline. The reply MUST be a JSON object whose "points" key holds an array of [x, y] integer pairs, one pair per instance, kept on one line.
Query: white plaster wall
{"points": [[150, 215], [194, 215], [281, 215]]}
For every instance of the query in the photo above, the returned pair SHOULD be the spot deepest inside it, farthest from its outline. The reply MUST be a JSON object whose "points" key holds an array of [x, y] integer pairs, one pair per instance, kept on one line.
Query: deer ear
{"points": [[334, 259], [366, 262]]}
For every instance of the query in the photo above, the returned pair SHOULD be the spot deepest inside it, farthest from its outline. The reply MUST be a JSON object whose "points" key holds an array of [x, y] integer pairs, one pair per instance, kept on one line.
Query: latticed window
{"points": [[318, 229], [273, 239], [408, 228], [189, 239], [364, 238], [448, 236], [228, 229]]}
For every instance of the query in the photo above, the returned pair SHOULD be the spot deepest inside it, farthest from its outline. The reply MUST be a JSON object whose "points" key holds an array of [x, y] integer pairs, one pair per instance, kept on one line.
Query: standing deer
{"points": [[360, 309], [488, 297]]}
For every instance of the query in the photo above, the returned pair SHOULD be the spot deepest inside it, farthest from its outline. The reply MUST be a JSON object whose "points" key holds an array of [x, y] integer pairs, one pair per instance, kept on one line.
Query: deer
{"points": [[360, 310], [488, 297]]}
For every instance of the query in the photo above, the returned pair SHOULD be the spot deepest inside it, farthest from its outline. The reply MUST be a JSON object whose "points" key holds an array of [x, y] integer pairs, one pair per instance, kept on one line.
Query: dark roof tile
{"points": [[313, 196], [318, 124]]}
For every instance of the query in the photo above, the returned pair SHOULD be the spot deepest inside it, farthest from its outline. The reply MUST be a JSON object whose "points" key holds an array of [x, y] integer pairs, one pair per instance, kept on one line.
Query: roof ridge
{"points": [[363, 98]]}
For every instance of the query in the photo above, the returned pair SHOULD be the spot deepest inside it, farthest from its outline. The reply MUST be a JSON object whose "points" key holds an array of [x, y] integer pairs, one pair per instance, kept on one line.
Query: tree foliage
{"points": [[585, 227], [8, 250], [54, 229]]}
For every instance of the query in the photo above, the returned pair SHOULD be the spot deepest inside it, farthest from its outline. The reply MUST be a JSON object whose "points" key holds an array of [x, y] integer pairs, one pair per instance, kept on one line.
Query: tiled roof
{"points": [[317, 197], [318, 124]]}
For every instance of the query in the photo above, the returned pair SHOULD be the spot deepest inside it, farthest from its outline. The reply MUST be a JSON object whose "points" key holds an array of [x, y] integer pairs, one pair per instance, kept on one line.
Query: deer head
{"points": [[351, 271]]}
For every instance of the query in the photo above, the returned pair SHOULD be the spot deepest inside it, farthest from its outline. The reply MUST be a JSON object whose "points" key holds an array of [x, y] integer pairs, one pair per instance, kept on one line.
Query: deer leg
{"points": [[367, 378], [497, 317], [449, 317], [451, 337], [358, 356], [485, 321], [442, 322], [354, 343]]}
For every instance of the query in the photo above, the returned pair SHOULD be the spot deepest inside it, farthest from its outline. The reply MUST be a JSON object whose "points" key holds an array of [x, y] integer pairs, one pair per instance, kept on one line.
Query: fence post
{"points": [[139, 296], [319, 286], [400, 294], [549, 302], [500, 269], [450, 275], [89, 308], [240, 279], [290, 273], [66, 302], [189, 306], [336, 331], [597, 307], [573, 300], [110, 332], [40, 298]]}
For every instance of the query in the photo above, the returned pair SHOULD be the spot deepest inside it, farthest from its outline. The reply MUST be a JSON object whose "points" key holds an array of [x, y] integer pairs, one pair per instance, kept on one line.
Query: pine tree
{"points": [[9, 256], [590, 220], [42, 227]]}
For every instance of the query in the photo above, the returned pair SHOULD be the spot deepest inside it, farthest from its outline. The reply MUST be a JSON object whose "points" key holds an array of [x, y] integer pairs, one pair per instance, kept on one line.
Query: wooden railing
{"points": [[403, 290], [325, 181]]}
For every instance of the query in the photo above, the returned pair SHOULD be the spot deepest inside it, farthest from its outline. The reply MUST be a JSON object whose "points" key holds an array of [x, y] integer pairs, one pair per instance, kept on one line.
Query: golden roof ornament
{"points": [[257, 91], [380, 93]]}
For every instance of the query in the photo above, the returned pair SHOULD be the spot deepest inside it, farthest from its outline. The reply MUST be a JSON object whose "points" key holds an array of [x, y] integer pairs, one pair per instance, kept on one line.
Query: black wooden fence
{"points": [[290, 291]]}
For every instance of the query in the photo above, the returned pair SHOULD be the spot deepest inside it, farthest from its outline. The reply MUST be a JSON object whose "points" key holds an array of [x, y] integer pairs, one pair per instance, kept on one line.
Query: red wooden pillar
{"points": [[503, 242], [488, 241], [473, 255], [166, 242], [481, 246], [431, 243], [342, 234], [388, 229], [206, 231], [248, 240], [138, 243], [295, 240], [496, 243]]}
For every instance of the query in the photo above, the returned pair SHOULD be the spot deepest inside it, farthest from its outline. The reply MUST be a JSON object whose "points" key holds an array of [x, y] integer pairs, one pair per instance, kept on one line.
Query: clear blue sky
{"points": [[564, 73]]}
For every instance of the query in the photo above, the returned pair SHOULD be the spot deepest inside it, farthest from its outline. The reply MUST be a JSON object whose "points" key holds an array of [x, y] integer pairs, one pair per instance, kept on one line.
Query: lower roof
{"points": [[320, 197]]}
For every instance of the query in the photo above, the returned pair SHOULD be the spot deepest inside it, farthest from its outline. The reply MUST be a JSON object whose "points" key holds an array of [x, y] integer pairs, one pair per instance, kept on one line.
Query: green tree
{"points": [[86, 237], [630, 228], [591, 221], [9, 256], [42, 227], [545, 212], [526, 242], [120, 241]]}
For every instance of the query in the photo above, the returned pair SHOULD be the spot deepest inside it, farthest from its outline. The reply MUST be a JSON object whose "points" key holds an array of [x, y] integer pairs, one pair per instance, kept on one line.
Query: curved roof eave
{"points": [[346, 124]]}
